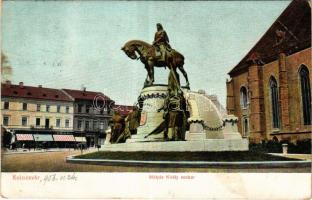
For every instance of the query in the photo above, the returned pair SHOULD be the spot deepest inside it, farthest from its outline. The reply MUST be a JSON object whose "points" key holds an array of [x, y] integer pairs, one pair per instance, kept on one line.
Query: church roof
{"points": [[290, 33]]}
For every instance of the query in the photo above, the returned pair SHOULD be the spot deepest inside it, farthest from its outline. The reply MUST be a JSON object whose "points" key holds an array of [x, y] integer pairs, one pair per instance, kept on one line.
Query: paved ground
{"points": [[55, 162], [297, 156]]}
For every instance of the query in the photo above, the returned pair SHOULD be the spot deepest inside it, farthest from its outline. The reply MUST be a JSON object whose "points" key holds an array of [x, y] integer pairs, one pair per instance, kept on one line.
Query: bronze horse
{"points": [[147, 55]]}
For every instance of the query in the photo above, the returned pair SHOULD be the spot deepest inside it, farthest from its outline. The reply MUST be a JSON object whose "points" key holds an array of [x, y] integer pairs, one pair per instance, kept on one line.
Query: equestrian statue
{"points": [[160, 54]]}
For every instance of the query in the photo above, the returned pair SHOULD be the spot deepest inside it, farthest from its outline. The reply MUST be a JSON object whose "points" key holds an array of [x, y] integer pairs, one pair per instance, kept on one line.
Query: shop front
{"points": [[43, 141], [95, 139], [64, 141], [23, 141], [81, 142]]}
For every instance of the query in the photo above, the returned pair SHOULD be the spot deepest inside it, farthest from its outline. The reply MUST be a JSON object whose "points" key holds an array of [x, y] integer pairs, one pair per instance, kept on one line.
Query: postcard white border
{"points": [[147, 185]]}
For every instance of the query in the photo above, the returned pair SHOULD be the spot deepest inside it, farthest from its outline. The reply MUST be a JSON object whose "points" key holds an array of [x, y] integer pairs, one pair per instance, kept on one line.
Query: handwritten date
{"points": [[59, 177]]}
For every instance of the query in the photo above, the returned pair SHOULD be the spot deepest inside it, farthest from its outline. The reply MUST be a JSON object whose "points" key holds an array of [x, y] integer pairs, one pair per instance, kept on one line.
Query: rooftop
{"points": [[86, 95], [30, 92], [290, 33]]}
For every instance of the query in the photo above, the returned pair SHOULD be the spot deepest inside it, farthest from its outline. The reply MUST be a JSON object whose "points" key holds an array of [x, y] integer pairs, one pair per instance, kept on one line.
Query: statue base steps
{"points": [[208, 145], [141, 138]]}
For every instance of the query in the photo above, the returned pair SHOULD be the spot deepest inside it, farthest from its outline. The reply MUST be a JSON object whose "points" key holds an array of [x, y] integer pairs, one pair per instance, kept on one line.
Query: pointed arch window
{"points": [[243, 97], [245, 126], [274, 102], [305, 94]]}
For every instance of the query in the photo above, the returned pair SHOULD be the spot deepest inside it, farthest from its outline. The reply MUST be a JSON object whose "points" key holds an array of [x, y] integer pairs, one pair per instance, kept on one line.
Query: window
{"points": [[101, 125], [58, 108], [274, 102], [5, 121], [105, 124], [87, 125], [6, 105], [305, 95], [79, 125], [79, 108], [243, 97], [88, 109], [245, 127], [24, 106], [275, 139], [95, 125], [37, 121], [58, 123], [67, 123], [48, 108], [47, 123], [24, 121], [67, 109], [38, 107]]}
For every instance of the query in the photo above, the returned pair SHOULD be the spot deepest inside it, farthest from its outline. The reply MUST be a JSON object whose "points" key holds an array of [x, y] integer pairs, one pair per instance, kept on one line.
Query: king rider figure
{"points": [[161, 42]]}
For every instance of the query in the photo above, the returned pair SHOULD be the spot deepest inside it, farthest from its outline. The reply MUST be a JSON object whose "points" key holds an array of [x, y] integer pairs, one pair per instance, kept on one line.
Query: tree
{"points": [[6, 69]]}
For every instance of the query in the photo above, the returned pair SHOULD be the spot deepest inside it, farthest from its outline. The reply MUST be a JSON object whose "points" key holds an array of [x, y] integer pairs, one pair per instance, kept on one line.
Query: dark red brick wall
{"points": [[256, 78]]}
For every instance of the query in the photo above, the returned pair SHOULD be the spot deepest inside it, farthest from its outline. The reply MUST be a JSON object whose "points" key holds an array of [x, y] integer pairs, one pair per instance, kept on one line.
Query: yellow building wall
{"points": [[16, 112]]}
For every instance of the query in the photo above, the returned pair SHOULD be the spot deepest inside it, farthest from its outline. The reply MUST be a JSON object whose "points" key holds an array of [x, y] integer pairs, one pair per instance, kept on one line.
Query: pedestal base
{"points": [[176, 146], [139, 138], [152, 98]]}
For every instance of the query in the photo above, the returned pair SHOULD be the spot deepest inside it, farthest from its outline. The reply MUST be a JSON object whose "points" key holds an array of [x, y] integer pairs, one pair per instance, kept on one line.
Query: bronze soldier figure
{"points": [[133, 120], [175, 123], [118, 126]]}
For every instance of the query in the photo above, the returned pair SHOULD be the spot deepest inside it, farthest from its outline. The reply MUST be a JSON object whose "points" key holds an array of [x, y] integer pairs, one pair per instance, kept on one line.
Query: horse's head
{"points": [[130, 51]]}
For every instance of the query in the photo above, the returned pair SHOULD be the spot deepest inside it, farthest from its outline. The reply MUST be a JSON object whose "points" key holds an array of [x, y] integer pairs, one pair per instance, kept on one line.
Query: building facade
{"points": [[92, 112], [270, 89], [35, 110]]}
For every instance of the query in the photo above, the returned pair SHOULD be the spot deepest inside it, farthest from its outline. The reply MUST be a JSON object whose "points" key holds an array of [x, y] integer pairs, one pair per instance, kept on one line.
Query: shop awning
{"points": [[43, 137], [24, 137], [64, 138], [80, 139]]}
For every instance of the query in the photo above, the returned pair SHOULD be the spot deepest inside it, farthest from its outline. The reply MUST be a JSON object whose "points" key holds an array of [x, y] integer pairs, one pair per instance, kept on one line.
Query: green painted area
{"points": [[43, 138]]}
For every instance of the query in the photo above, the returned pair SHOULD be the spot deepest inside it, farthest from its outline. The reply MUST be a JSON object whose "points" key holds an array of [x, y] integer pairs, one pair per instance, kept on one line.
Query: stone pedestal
{"points": [[205, 119], [285, 148], [208, 145], [108, 136], [153, 98], [196, 131], [230, 130], [209, 130]]}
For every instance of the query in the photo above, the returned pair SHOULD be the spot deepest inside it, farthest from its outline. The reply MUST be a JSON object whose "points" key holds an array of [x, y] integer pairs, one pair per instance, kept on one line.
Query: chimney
{"points": [[84, 89], [39, 86], [21, 84], [8, 82]]}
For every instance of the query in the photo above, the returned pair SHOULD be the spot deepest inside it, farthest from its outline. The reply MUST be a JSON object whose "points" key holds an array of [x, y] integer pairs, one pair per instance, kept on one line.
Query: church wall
{"points": [[297, 130], [269, 70], [233, 99], [259, 109]]}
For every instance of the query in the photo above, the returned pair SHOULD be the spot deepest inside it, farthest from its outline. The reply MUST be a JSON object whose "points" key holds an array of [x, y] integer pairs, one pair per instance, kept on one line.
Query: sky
{"points": [[75, 44]]}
